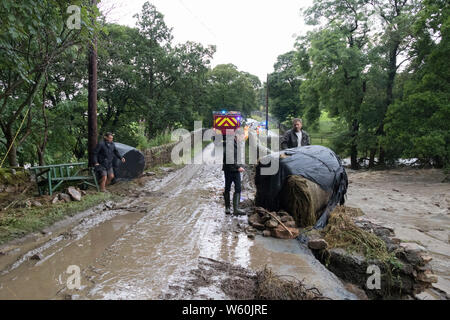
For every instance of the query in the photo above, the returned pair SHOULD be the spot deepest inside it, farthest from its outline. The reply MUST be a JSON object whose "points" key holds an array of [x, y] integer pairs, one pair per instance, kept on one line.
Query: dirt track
{"points": [[152, 245]]}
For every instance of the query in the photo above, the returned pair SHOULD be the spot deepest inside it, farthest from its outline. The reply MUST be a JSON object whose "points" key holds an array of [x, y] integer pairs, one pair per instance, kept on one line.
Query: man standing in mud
{"points": [[232, 171], [296, 137], [103, 158]]}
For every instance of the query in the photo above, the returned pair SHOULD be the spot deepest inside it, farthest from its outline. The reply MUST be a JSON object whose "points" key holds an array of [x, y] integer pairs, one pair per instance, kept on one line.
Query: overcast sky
{"points": [[248, 33]]}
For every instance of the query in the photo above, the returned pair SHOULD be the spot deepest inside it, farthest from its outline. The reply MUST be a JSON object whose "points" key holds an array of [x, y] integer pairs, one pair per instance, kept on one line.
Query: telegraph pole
{"points": [[267, 103], [92, 96]]}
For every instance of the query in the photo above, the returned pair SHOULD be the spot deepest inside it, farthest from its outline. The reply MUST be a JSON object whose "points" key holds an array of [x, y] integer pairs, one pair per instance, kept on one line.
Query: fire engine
{"points": [[226, 121]]}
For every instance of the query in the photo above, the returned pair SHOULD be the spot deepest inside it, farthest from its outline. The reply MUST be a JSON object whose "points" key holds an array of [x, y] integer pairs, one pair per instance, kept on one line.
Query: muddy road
{"points": [[151, 245], [416, 204]]}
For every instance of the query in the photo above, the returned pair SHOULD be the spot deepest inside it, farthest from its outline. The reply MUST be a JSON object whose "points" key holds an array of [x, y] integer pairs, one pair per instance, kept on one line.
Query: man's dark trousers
{"points": [[230, 177]]}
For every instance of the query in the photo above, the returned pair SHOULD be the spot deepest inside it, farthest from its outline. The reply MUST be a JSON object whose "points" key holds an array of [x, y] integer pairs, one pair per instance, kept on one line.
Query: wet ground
{"points": [[416, 203], [152, 244]]}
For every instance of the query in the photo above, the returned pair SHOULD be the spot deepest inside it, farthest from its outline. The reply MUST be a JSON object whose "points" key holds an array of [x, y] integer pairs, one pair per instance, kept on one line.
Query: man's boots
{"points": [[236, 200], [226, 196]]}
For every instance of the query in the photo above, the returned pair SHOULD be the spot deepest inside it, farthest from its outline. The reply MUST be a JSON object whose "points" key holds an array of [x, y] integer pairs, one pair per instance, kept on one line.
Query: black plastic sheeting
{"points": [[316, 163], [133, 166]]}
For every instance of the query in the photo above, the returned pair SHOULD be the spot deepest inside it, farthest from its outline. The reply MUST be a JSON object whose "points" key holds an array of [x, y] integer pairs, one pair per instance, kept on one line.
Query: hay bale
{"points": [[304, 200]]}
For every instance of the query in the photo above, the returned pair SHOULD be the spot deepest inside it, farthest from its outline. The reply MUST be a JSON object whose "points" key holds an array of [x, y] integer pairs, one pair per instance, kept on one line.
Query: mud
{"points": [[147, 247], [416, 204]]}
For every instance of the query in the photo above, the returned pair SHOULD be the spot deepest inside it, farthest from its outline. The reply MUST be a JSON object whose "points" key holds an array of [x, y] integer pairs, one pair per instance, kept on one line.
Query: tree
{"points": [[34, 36], [284, 86], [231, 89], [336, 58], [417, 124]]}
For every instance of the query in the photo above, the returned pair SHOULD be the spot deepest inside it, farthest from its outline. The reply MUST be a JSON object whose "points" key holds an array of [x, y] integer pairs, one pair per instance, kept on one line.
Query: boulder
{"points": [[64, 197], [37, 204], [317, 244], [74, 194], [255, 221], [286, 218], [266, 233], [55, 200], [272, 223], [282, 233], [291, 224]]}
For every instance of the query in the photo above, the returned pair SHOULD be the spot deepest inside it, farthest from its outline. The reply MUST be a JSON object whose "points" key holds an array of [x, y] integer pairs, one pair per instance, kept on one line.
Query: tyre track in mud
{"points": [[147, 246]]}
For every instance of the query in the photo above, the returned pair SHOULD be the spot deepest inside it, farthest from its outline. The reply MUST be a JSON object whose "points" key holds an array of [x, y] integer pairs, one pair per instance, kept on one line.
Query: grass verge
{"points": [[18, 222]]}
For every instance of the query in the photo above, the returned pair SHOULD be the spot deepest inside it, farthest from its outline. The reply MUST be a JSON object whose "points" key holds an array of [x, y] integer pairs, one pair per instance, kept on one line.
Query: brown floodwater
{"points": [[143, 246]]}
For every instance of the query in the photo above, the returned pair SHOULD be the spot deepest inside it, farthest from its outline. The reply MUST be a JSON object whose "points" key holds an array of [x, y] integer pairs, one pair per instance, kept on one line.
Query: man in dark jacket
{"points": [[103, 159], [296, 137], [232, 171]]}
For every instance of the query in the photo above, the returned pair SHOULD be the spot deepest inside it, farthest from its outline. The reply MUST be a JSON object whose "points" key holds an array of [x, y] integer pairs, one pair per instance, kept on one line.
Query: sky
{"points": [[250, 34]]}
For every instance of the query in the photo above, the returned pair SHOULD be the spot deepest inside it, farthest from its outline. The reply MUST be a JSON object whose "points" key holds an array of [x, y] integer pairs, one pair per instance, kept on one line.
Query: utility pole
{"points": [[267, 103], [92, 96]]}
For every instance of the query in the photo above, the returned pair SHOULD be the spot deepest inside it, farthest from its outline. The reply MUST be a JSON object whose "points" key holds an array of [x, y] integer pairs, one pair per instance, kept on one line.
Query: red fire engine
{"points": [[226, 120]]}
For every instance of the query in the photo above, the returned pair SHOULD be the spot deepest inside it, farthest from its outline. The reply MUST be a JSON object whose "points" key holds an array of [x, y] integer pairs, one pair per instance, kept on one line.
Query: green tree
{"points": [[34, 35], [231, 89], [417, 124], [284, 86]]}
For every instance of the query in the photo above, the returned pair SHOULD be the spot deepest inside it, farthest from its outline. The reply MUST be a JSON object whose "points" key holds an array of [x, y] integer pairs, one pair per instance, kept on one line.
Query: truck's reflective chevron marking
{"points": [[230, 122], [218, 119]]}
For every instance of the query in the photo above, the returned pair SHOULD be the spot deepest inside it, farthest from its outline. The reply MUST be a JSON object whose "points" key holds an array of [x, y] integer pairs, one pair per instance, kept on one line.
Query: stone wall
{"points": [[161, 154]]}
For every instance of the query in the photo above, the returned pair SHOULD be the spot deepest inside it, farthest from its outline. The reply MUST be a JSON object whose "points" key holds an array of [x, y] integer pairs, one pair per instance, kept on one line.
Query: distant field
{"points": [[324, 134]]}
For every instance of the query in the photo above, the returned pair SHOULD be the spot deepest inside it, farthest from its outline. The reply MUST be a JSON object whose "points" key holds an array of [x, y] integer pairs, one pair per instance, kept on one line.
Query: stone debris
{"points": [[74, 194], [64, 197], [269, 224], [317, 244]]}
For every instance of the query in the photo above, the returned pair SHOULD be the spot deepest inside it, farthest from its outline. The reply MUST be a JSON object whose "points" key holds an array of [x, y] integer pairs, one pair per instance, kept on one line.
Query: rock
{"points": [[282, 233], [64, 197], [272, 223], [251, 236], [83, 192], [291, 224], [317, 244], [2, 187], [36, 256], [427, 277], [412, 247], [266, 233], [37, 204], [149, 174], [55, 200], [282, 213], [255, 221], [426, 259], [74, 194], [265, 218], [109, 205], [286, 218]]}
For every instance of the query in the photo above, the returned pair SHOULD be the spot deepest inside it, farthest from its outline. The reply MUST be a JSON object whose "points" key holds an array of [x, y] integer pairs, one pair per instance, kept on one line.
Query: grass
{"points": [[158, 140], [18, 222], [8, 178], [341, 232], [324, 133]]}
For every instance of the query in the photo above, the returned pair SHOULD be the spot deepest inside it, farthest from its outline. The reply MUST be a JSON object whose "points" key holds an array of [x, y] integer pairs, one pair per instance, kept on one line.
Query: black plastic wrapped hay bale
{"points": [[321, 166], [304, 200], [134, 165]]}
